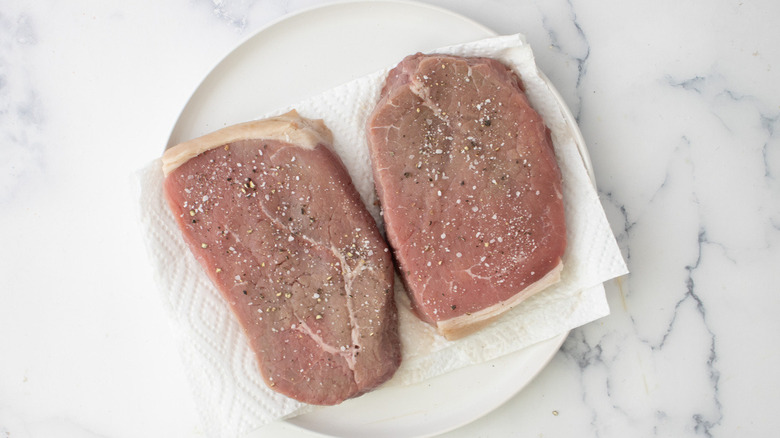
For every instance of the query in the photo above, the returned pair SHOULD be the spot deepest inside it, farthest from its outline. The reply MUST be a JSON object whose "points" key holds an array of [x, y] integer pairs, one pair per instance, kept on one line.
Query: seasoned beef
{"points": [[271, 214], [470, 189]]}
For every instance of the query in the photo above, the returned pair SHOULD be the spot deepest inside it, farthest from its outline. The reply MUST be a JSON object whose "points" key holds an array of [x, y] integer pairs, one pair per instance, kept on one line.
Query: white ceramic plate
{"points": [[307, 53]]}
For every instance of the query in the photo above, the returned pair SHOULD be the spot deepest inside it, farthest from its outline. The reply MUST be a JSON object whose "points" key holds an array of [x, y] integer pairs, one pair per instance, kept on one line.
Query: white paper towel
{"points": [[229, 391]]}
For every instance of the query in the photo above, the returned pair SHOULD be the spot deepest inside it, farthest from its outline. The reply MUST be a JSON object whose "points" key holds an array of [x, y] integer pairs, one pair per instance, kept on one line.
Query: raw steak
{"points": [[470, 188], [270, 212]]}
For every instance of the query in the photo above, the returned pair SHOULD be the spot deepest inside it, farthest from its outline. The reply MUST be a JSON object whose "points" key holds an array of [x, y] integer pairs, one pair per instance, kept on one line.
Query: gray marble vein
{"points": [[770, 150], [233, 13], [22, 113], [567, 38]]}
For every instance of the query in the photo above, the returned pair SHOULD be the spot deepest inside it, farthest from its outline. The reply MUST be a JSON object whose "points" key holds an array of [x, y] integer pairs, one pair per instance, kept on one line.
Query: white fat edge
{"points": [[289, 128]]}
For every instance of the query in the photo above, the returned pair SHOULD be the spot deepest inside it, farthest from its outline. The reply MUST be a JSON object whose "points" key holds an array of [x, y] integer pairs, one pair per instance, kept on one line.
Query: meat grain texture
{"points": [[470, 189], [271, 214]]}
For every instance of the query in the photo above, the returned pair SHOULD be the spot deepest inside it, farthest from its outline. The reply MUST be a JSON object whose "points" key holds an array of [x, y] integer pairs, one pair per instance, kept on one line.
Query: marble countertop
{"points": [[678, 103]]}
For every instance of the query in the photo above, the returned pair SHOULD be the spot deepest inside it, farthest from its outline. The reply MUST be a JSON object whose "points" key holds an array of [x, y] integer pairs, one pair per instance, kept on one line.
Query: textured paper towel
{"points": [[229, 391]]}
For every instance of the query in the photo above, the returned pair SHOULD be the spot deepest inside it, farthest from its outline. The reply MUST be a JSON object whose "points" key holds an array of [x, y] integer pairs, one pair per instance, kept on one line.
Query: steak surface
{"points": [[470, 189], [271, 214]]}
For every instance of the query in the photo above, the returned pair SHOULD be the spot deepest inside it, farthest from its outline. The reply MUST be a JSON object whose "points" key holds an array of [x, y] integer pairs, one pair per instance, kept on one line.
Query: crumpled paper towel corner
{"points": [[227, 386]]}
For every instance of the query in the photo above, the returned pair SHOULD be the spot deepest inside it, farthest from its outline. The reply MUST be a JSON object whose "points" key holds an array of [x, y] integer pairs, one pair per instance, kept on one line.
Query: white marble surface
{"points": [[678, 102]]}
